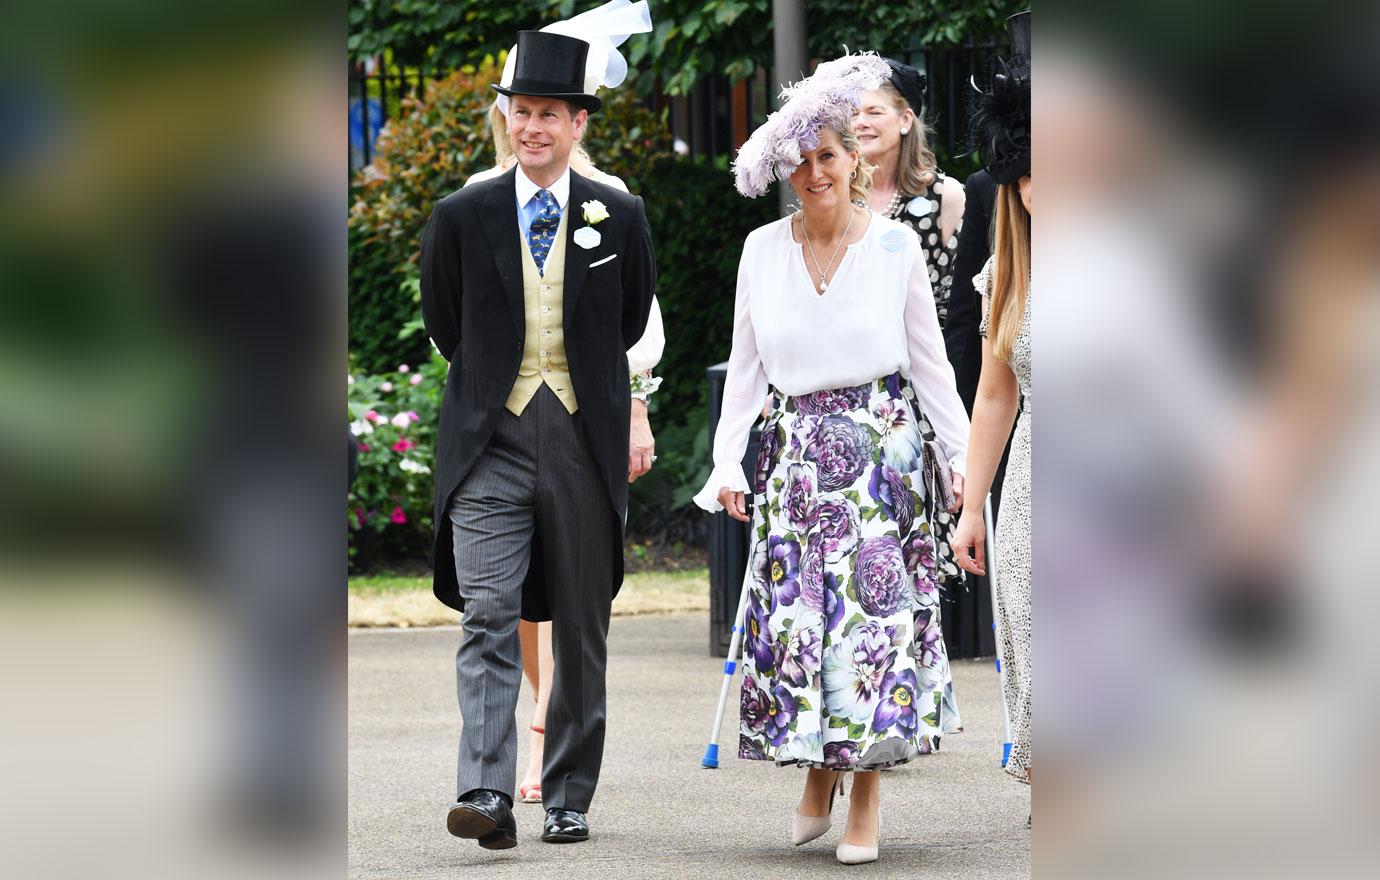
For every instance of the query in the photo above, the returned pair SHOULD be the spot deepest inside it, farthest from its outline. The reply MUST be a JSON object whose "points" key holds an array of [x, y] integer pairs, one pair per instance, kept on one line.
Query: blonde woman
{"points": [[1004, 390], [844, 667], [907, 184]]}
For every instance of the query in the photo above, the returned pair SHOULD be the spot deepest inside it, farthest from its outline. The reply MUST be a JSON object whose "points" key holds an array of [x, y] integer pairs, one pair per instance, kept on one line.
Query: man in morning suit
{"points": [[534, 285]]}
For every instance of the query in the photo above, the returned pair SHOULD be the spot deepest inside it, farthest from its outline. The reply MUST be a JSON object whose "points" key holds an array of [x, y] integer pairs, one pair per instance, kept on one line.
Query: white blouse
{"points": [[876, 317]]}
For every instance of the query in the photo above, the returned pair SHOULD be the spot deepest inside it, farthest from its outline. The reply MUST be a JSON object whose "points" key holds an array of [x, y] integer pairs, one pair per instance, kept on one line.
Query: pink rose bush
{"points": [[392, 418]]}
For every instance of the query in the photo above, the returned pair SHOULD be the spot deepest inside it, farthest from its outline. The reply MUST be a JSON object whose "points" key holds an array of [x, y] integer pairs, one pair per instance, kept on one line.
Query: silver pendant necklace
{"points": [[804, 230]]}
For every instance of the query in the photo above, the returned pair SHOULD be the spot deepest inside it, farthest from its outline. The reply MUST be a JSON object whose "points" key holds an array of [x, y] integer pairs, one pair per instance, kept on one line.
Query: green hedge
{"points": [[699, 222]]}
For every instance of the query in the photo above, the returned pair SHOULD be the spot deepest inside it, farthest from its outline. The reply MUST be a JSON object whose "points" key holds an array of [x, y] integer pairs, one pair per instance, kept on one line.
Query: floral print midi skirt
{"points": [[845, 666]]}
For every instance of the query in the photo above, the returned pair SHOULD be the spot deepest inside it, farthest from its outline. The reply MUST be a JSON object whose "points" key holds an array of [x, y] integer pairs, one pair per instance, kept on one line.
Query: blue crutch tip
{"points": [[1005, 753], [710, 761]]}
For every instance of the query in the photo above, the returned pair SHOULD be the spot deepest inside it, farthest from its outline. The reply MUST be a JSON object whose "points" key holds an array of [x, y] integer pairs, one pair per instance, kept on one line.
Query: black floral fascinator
{"points": [[1000, 123]]}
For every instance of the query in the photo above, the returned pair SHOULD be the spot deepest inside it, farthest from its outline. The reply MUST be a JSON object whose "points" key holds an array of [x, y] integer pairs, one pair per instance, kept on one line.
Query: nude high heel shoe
{"points": [[806, 828], [851, 854]]}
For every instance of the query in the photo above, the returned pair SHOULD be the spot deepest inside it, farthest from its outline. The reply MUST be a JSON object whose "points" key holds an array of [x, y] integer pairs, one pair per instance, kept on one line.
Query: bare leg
{"points": [[864, 810], [544, 667], [815, 800], [527, 635]]}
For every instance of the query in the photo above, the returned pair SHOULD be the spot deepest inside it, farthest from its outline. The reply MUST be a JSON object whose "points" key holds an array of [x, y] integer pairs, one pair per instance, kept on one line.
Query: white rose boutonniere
{"points": [[595, 212]]}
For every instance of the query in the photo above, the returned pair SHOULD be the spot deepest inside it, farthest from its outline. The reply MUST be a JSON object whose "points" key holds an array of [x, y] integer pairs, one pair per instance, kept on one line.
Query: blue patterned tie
{"points": [[542, 233]]}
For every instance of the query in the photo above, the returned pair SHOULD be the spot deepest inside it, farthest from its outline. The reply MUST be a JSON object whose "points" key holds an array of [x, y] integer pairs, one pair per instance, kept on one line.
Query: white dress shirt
{"points": [[876, 317]]}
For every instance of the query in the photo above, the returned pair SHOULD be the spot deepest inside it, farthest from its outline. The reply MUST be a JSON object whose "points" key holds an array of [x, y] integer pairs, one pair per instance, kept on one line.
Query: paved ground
{"points": [[657, 813]]}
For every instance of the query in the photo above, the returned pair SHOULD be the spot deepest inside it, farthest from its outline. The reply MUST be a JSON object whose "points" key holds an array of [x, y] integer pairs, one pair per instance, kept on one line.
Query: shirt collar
{"points": [[526, 188]]}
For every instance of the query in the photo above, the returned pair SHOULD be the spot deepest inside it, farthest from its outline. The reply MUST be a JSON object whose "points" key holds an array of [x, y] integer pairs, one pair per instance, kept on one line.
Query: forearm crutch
{"points": [[991, 555], [710, 761]]}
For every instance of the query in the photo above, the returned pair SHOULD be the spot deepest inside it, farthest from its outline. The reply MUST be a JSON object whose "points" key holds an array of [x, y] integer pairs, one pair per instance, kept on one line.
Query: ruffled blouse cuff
{"points": [[959, 465], [730, 475]]}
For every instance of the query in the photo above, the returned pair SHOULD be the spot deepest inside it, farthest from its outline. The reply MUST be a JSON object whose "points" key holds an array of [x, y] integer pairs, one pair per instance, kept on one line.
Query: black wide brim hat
{"points": [[550, 66]]}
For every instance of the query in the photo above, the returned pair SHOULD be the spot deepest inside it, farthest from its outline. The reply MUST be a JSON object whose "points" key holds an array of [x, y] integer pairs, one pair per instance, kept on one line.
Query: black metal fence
{"points": [[375, 97]]}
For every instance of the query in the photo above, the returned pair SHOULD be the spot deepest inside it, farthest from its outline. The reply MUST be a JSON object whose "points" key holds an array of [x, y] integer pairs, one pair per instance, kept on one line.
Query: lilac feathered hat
{"points": [[826, 97]]}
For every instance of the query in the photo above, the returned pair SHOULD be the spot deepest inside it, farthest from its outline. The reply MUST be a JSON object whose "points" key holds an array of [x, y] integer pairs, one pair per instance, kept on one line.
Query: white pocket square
{"points": [[603, 261]]}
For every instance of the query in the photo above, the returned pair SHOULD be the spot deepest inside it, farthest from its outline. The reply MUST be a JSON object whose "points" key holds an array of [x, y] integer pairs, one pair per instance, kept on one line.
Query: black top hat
{"points": [[1018, 28], [911, 83], [550, 66]]}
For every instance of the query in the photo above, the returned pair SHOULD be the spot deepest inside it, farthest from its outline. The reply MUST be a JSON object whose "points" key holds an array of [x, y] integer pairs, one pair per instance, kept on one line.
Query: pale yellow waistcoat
{"points": [[543, 347]]}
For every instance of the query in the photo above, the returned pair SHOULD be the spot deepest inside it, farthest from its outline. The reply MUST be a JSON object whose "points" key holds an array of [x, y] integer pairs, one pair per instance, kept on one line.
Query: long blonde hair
{"points": [[1010, 284], [916, 165], [503, 149]]}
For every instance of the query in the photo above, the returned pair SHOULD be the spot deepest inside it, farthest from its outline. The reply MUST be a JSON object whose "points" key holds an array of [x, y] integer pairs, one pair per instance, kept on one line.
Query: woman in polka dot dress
{"points": [[908, 187], [906, 184]]}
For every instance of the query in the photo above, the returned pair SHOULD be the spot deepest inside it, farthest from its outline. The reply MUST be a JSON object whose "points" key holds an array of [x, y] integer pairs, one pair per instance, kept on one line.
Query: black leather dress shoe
{"points": [[485, 816], [565, 826]]}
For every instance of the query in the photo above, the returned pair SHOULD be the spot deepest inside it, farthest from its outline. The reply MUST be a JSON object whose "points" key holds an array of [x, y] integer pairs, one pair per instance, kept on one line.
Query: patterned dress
{"points": [[1012, 553], [921, 213], [845, 663]]}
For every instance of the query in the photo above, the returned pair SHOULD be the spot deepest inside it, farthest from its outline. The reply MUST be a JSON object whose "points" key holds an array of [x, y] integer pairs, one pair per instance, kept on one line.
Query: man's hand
{"points": [[641, 444]]}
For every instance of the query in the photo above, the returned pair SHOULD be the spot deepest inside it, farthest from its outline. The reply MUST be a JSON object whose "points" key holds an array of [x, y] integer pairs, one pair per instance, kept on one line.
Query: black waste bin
{"points": [[728, 538]]}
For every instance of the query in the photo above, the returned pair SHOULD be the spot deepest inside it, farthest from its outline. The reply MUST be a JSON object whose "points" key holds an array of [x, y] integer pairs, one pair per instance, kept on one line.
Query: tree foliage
{"points": [[691, 38]]}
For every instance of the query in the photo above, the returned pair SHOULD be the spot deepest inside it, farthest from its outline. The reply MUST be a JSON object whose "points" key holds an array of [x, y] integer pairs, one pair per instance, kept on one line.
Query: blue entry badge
{"points": [[894, 240], [918, 207]]}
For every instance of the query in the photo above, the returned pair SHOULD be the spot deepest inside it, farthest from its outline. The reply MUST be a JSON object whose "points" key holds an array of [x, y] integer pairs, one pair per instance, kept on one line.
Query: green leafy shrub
{"points": [[429, 152]]}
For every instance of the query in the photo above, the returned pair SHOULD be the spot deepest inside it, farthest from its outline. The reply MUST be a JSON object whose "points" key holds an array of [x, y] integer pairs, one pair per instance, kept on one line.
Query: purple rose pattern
{"points": [[842, 400], [812, 577], [838, 526], [881, 579], [842, 630], [799, 501], [754, 706], [841, 451], [840, 754], [750, 749]]}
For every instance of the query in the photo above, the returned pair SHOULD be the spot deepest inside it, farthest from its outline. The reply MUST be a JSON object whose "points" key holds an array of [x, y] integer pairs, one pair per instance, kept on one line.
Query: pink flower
{"points": [[412, 415], [401, 420], [360, 516], [403, 445], [398, 516], [364, 447], [403, 368], [373, 416], [386, 387], [416, 379]]}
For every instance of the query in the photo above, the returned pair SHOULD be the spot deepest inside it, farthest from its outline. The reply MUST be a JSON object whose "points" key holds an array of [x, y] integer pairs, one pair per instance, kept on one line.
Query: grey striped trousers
{"points": [[535, 479]]}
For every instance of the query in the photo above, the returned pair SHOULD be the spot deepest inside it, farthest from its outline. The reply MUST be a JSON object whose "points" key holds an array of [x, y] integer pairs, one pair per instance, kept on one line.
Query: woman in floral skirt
{"points": [[845, 666]]}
